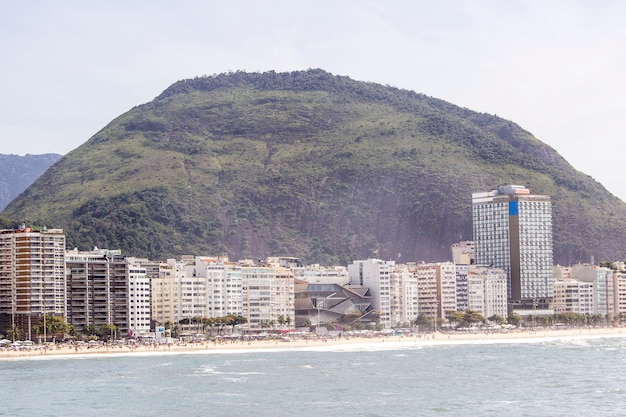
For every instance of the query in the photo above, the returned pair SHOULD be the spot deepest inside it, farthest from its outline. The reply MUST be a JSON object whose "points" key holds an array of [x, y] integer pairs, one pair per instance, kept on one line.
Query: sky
{"points": [[556, 68]]}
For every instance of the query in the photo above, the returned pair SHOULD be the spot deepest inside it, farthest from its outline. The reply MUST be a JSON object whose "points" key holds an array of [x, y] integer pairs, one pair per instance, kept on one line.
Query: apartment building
{"points": [[375, 274], [403, 290], [98, 289], [140, 296], [573, 296], [462, 302], [602, 283], [32, 277], [436, 289], [166, 292], [619, 294], [487, 291], [268, 293], [224, 285]]}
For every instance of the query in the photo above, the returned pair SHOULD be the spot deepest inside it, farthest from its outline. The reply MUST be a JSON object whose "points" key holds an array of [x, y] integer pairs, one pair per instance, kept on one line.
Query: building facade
{"points": [[487, 291], [404, 297], [98, 289], [224, 286], [375, 274], [268, 293], [140, 297], [437, 289], [32, 277], [513, 231]]}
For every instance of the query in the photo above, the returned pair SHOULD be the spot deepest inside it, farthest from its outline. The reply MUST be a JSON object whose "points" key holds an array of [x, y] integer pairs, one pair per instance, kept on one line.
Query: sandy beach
{"points": [[331, 343]]}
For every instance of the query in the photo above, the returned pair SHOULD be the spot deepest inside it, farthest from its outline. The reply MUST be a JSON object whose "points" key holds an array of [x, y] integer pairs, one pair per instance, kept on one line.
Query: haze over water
{"points": [[555, 377]]}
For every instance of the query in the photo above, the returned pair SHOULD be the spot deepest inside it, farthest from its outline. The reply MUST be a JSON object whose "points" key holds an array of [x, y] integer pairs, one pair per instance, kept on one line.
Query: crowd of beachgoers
{"points": [[294, 340]]}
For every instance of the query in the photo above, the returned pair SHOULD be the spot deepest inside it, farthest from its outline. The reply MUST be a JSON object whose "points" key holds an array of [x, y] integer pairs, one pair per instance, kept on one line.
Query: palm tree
{"points": [[332, 324], [281, 320], [236, 320], [264, 324]]}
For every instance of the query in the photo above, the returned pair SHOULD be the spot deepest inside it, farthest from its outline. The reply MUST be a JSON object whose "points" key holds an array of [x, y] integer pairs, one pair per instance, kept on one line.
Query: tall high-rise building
{"points": [[513, 231], [32, 277]]}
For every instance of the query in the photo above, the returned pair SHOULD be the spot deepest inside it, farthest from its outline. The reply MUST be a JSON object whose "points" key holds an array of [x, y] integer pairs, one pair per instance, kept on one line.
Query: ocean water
{"points": [[557, 377]]}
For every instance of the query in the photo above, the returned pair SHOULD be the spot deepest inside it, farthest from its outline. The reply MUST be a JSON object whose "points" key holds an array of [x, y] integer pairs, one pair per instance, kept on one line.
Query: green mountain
{"points": [[307, 164], [18, 172]]}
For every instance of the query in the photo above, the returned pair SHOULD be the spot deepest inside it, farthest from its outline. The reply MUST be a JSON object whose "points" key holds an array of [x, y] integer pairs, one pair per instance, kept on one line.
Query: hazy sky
{"points": [[557, 68]]}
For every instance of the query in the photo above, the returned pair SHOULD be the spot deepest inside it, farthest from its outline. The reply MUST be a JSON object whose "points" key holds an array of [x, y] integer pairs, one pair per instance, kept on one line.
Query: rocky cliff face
{"points": [[311, 165]]}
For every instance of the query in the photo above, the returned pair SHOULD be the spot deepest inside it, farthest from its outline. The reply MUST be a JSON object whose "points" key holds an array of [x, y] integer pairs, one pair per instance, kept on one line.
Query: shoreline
{"points": [[387, 342]]}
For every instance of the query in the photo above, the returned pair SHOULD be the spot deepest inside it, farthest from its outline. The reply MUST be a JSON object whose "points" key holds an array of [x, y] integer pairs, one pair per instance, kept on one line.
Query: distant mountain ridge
{"points": [[18, 172], [307, 164]]}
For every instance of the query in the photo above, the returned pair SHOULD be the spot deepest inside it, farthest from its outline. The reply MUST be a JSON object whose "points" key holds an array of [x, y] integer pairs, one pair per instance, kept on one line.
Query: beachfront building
{"points": [[375, 274], [98, 289], [139, 294], [573, 296], [462, 303], [436, 289], [166, 293], [513, 231], [487, 291], [283, 297], [193, 292], [324, 305], [601, 279], [619, 296], [268, 294], [224, 285], [32, 277], [403, 295]]}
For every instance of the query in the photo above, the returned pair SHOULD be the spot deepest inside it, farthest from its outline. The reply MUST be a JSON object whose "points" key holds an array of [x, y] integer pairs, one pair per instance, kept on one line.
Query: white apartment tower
{"points": [[268, 292], [375, 274], [224, 286], [139, 292], [513, 231], [487, 291], [404, 295]]}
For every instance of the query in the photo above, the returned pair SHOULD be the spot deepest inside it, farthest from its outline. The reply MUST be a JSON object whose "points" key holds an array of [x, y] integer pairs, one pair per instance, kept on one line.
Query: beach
{"points": [[318, 343]]}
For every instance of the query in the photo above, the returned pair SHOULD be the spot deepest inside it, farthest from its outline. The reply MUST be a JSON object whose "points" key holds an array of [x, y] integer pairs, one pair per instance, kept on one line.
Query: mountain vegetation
{"points": [[307, 164], [18, 172]]}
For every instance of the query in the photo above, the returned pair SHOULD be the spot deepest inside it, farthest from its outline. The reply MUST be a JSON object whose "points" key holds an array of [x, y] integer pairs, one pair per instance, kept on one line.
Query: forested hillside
{"points": [[307, 164]]}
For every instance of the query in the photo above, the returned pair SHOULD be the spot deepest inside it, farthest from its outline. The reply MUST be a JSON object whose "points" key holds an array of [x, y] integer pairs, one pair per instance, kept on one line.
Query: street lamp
{"points": [[319, 304]]}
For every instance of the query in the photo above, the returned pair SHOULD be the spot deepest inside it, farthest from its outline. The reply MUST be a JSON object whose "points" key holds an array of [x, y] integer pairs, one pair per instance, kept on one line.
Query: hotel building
{"points": [[513, 231]]}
